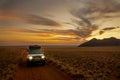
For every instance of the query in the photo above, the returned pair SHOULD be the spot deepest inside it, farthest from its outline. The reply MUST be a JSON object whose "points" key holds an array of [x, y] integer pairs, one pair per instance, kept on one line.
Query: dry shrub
{"points": [[101, 63], [9, 60]]}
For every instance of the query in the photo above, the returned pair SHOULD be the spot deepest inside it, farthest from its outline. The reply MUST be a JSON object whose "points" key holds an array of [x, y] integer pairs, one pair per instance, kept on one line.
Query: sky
{"points": [[48, 22]]}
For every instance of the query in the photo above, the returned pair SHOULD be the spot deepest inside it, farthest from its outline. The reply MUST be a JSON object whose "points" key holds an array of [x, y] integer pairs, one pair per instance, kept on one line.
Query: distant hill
{"points": [[105, 42]]}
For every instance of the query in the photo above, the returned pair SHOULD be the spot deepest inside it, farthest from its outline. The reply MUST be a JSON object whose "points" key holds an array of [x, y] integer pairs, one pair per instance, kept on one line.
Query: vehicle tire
{"points": [[28, 63], [43, 63]]}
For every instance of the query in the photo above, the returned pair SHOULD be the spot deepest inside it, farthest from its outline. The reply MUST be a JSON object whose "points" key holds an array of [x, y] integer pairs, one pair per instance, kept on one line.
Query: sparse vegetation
{"points": [[100, 63], [9, 60]]}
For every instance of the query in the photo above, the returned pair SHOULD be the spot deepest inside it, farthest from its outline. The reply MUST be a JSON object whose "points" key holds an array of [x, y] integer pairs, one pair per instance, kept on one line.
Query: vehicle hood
{"points": [[35, 54]]}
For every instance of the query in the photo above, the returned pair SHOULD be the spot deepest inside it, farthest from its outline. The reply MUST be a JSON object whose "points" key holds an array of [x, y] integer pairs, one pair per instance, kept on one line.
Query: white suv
{"points": [[35, 55]]}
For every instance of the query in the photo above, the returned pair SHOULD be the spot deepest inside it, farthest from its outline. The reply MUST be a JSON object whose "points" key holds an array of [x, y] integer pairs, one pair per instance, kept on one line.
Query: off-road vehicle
{"points": [[35, 55]]}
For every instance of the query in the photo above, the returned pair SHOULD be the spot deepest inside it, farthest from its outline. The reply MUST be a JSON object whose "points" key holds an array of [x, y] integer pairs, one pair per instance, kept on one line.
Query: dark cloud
{"points": [[31, 6], [7, 4], [86, 26], [39, 20], [84, 32], [107, 29], [90, 11], [84, 20], [100, 7], [83, 28], [101, 32], [77, 33], [8, 16]]}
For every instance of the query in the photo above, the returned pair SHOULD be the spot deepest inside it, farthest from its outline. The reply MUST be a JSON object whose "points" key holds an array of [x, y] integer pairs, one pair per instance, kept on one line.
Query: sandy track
{"points": [[47, 72]]}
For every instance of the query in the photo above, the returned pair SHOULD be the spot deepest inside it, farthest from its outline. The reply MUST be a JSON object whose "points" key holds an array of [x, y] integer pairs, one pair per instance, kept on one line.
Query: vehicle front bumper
{"points": [[36, 60]]}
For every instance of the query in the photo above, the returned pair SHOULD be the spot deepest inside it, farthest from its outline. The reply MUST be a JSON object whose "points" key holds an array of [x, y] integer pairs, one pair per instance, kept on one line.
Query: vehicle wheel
{"points": [[28, 63], [43, 63]]}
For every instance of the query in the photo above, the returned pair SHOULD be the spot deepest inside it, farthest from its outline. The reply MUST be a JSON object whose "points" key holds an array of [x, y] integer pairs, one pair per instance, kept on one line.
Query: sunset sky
{"points": [[49, 22]]}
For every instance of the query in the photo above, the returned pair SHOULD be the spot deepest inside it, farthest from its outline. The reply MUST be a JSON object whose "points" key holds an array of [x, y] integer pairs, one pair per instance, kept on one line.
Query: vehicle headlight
{"points": [[43, 57], [30, 57]]}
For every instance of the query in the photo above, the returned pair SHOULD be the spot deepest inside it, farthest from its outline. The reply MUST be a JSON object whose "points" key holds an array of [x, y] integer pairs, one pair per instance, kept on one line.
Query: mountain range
{"points": [[104, 42]]}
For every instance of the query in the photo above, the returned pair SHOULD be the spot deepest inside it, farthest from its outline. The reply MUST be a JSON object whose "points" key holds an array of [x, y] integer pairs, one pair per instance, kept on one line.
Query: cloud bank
{"points": [[28, 18], [91, 10], [39, 20]]}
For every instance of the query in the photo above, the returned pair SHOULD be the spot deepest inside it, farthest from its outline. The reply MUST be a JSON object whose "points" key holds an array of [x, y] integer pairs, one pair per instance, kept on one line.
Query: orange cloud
{"points": [[41, 36], [9, 15]]}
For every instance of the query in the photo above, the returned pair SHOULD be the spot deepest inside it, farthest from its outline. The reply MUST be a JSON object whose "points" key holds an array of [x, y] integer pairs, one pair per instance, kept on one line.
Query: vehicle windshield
{"points": [[34, 51]]}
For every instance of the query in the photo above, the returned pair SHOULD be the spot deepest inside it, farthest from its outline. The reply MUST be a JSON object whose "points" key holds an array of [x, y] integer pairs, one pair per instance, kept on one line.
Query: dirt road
{"points": [[47, 72]]}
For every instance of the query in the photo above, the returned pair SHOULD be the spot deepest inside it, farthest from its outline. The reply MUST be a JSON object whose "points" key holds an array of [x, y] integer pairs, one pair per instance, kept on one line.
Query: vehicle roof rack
{"points": [[34, 47]]}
